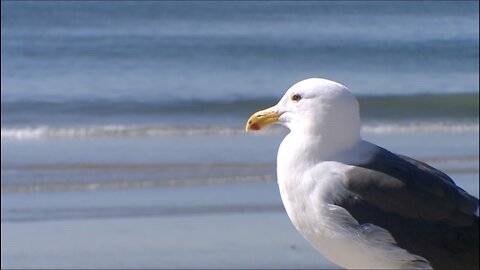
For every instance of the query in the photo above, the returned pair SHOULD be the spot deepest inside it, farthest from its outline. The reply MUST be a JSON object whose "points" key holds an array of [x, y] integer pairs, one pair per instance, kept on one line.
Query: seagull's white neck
{"points": [[299, 149]]}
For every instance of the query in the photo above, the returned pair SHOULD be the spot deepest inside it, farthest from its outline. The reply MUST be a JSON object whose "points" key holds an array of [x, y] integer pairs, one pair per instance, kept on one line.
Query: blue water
{"points": [[101, 91], [165, 51]]}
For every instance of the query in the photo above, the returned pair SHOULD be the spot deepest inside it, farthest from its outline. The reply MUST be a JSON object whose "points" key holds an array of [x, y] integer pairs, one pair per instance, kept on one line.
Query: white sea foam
{"points": [[421, 127], [47, 132], [22, 133]]}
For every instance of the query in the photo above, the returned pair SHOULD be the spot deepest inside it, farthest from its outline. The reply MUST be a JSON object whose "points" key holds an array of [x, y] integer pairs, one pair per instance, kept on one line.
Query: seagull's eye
{"points": [[296, 97]]}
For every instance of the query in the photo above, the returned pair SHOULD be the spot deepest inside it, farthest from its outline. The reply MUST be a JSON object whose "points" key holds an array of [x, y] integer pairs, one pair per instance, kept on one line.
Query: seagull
{"points": [[358, 204]]}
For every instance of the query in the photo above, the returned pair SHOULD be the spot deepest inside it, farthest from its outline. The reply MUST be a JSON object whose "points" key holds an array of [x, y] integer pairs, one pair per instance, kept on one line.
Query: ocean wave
{"points": [[112, 131], [26, 214], [420, 128], [417, 106], [469, 165], [138, 183], [49, 132]]}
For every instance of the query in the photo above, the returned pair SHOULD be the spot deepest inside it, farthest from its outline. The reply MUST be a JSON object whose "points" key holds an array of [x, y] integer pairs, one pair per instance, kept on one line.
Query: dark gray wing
{"points": [[420, 206]]}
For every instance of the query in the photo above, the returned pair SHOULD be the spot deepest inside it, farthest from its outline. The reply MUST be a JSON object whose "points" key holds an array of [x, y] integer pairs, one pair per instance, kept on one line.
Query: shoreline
{"points": [[156, 175], [239, 225]]}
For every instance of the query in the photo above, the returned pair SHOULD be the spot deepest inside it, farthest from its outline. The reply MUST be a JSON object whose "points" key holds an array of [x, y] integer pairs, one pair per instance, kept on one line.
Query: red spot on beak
{"points": [[255, 126]]}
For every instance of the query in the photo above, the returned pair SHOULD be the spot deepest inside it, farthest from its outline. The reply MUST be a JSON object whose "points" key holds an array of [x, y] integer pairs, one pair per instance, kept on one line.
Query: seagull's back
{"points": [[423, 209]]}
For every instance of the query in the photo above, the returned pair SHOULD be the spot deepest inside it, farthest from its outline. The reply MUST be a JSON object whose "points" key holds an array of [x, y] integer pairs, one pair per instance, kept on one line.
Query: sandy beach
{"points": [[176, 227], [133, 213], [197, 226]]}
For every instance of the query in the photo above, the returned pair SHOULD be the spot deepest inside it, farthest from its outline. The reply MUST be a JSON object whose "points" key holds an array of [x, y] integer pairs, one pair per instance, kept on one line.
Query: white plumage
{"points": [[314, 168]]}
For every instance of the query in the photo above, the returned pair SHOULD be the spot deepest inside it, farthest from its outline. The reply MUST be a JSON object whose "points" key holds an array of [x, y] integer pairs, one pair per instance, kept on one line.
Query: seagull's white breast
{"points": [[308, 187]]}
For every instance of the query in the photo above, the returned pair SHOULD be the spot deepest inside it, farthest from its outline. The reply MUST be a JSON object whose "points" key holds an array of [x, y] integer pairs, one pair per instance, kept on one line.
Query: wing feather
{"points": [[420, 206]]}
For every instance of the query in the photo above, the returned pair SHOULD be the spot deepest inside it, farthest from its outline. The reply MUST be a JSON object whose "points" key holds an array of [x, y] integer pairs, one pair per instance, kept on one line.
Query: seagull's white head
{"points": [[313, 107]]}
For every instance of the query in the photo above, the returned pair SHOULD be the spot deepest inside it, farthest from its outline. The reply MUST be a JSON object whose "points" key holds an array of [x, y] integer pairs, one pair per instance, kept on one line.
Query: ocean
{"points": [[100, 98]]}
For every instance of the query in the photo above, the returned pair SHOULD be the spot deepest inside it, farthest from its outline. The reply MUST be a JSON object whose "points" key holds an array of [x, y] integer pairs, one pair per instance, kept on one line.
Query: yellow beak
{"points": [[262, 119]]}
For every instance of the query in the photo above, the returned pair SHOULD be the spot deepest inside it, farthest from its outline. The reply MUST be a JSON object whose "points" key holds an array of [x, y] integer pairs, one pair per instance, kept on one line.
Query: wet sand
{"points": [[240, 226]]}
